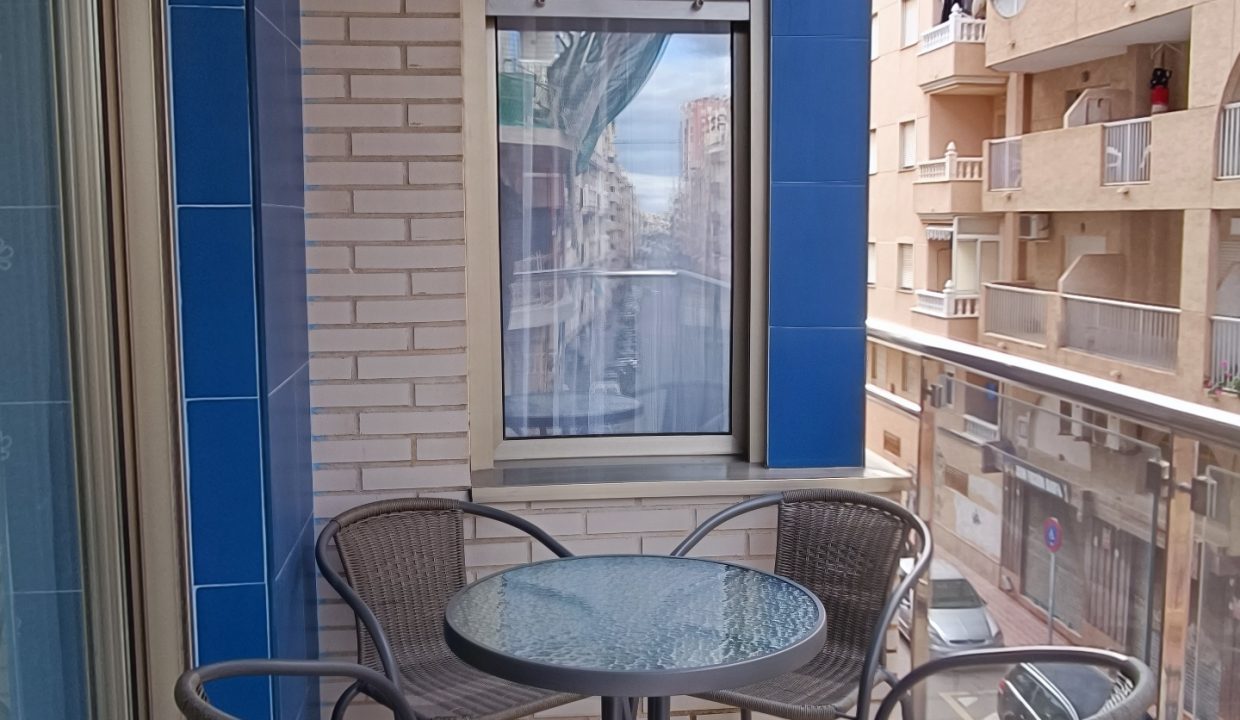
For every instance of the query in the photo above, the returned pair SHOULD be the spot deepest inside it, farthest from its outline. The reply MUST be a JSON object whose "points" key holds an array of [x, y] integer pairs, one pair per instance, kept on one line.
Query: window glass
{"points": [[908, 22], [954, 594], [615, 170]]}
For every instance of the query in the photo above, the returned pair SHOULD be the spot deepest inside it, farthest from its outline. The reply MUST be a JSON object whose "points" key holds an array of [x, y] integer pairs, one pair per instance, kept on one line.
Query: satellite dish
{"points": [[1008, 8]]}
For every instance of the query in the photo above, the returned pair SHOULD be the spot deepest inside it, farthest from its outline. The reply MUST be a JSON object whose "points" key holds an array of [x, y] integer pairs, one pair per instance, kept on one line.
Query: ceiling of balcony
{"points": [[1172, 27]]}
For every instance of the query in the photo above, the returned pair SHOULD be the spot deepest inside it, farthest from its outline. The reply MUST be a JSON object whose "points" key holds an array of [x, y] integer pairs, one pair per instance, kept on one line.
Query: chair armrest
{"points": [[1142, 678], [723, 516], [519, 523], [190, 698], [364, 614]]}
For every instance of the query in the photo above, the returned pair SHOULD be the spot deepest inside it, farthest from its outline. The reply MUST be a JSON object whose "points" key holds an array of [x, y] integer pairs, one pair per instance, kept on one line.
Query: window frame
{"points": [[873, 151], [871, 263], [902, 248], [908, 145], [909, 10], [875, 35], [487, 443]]}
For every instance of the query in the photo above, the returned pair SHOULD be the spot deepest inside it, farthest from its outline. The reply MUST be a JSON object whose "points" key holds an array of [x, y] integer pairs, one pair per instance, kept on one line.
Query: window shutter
{"points": [[908, 144], [871, 268], [909, 22], [906, 267]]}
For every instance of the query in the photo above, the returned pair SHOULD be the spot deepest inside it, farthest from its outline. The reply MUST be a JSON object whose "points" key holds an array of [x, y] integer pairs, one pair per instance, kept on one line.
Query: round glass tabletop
{"points": [[630, 625]]}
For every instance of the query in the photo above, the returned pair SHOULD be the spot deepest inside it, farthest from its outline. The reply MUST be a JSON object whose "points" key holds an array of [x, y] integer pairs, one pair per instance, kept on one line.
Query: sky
{"points": [[648, 131]]}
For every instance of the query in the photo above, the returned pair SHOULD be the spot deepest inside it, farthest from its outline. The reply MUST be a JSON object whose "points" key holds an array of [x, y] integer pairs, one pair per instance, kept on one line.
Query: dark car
{"points": [[1053, 691]]}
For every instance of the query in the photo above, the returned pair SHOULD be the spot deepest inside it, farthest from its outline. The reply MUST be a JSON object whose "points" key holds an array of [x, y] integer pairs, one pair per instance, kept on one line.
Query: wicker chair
{"points": [[845, 547], [192, 700], [403, 560], [1132, 694]]}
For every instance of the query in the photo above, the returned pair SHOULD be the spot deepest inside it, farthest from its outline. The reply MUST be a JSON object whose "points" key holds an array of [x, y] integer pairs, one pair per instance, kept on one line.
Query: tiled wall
{"points": [[387, 249], [42, 674], [237, 157], [819, 70]]}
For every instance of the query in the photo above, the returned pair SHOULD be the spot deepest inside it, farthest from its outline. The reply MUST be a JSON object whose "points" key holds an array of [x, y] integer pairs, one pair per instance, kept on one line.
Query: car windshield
{"points": [[953, 595]]}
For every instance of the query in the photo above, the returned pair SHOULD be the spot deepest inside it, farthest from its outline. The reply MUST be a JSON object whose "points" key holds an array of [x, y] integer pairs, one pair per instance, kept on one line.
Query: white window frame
{"points": [[909, 23], [873, 151], [906, 267], [871, 263], [908, 144], [487, 443], [875, 35]]}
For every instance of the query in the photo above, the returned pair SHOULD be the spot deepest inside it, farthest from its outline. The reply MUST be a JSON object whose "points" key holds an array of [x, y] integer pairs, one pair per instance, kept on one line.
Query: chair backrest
{"points": [[846, 547], [403, 560], [1133, 691]]}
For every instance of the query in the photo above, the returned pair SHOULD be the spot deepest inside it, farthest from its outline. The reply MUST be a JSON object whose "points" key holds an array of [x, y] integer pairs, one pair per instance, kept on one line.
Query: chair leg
{"points": [[658, 708], [746, 714], [342, 703]]}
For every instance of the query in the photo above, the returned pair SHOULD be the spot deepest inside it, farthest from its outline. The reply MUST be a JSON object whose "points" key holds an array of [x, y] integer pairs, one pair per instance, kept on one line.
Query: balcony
{"points": [[947, 304], [1225, 354], [1017, 312], [952, 58], [1132, 332], [1142, 163], [950, 185], [1229, 143]]}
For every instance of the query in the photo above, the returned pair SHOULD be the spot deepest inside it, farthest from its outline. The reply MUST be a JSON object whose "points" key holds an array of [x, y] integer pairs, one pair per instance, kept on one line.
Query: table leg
{"points": [[658, 708], [615, 708]]}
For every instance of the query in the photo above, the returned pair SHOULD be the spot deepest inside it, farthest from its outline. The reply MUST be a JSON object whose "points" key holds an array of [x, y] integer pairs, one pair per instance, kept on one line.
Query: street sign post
{"points": [[1052, 535]]}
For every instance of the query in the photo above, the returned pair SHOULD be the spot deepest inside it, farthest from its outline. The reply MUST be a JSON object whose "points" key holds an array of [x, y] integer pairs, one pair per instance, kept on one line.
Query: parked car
{"points": [[1053, 691], [958, 616]]}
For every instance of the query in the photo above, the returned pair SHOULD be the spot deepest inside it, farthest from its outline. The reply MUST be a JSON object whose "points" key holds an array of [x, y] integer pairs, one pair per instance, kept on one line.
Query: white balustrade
{"points": [[946, 304], [959, 28], [950, 167], [1126, 152], [1005, 164], [1017, 312], [1225, 355], [1229, 142], [976, 427], [1132, 332]]}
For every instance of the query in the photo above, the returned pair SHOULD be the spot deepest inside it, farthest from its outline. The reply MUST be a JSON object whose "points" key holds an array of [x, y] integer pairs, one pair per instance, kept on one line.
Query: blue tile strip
{"points": [[236, 127], [819, 124]]}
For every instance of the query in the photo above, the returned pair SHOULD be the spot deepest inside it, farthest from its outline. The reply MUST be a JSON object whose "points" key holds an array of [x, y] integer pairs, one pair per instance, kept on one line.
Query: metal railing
{"points": [[1005, 164], [946, 304], [978, 428], [959, 28], [1229, 142], [1225, 353], [1132, 332], [1126, 152], [1017, 312], [950, 167]]}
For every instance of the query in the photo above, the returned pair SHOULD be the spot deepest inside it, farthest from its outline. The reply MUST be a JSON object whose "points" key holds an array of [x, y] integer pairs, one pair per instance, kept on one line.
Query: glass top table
{"points": [[635, 625]]}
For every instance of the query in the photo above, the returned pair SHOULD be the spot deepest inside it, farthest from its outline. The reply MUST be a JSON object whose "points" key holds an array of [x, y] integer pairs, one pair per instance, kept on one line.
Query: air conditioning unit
{"points": [[1035, 226]]}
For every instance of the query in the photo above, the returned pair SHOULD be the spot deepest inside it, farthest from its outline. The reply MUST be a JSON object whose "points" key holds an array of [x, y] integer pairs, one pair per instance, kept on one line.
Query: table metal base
{"points": [[619, 708]]}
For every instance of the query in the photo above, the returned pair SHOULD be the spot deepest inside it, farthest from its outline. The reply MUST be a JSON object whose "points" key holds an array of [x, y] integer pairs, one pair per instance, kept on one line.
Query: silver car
{"points": [[958, 616]]}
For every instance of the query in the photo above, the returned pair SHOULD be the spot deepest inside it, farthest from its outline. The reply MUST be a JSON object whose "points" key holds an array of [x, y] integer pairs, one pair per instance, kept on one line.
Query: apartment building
{"points": [[1059, 182]]}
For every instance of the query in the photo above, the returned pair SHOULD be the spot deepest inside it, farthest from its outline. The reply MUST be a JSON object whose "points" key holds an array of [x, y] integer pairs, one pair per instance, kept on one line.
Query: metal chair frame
{"points": [[871, 669], [364, 614], [191, 698], [1132, 707]]}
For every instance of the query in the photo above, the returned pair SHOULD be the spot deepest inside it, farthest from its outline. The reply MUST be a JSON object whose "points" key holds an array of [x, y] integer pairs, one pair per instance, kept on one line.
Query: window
{"points": [[956, 480], [873, 151], [891, 443], [871, 263], [874, 363], [873, 36], [908, 373], [615, 233], [908, 145], [906, 266], [908, 23]]}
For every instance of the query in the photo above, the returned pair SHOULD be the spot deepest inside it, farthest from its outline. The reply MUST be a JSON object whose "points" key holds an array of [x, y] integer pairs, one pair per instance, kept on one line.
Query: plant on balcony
{"points": [[1226, 380]]}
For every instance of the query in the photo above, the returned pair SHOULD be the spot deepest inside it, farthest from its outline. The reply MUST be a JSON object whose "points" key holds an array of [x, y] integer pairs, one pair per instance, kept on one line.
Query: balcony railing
{"points": [[1126, 152], [959, 28], [1229, 142], [1005, 164], [1131, 332], [1017, 312], [950, 167], [946, 304], [1225, 355], [976, 427]]}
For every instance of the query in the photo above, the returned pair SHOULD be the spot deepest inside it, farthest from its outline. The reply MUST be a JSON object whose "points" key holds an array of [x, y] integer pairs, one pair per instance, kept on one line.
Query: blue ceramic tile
{"points": [[289, 479], [292, 25], [816, 397], [27, 120], [232, 624], [37, 471], [817, 255], [294, 622], [277, 79], [216, 265], [820, 104], [206, 3], [838, 18], [210, 105], [31, 279], [285, 324], [49, 650], [225, 491]]}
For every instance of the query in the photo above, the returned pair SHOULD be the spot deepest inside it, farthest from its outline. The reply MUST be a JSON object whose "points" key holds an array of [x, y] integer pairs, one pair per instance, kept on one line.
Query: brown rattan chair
{"points": [[191, 696], [845, 547], [403, 560], [1133, 689]]}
